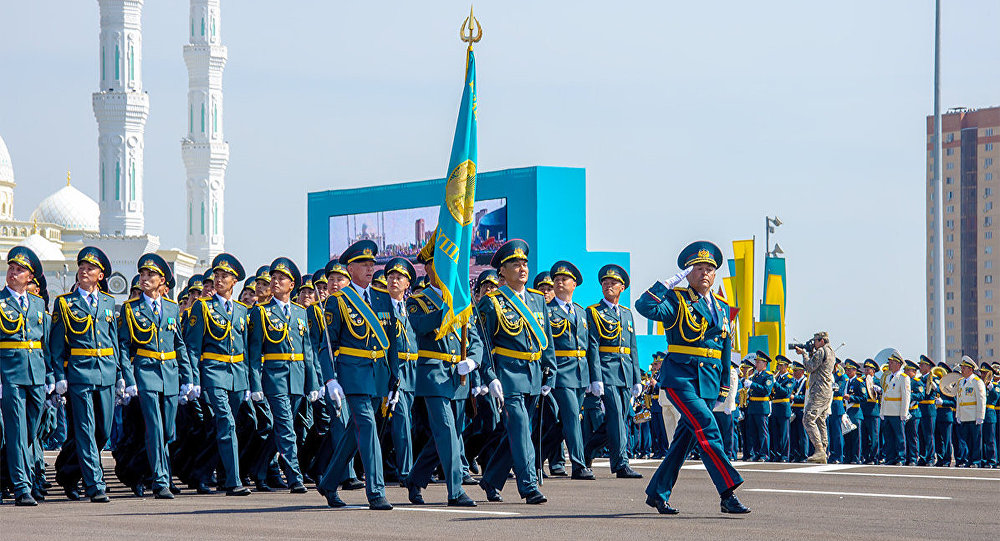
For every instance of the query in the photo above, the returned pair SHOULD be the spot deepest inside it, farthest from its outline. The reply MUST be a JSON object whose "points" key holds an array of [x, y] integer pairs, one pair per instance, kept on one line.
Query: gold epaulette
{"points": [[299, 305], [66, 294], [534, 291], [380, 290], [241, 304], [337, 293], [169, 300], [35, 294], [721, 298], [493, 293]]}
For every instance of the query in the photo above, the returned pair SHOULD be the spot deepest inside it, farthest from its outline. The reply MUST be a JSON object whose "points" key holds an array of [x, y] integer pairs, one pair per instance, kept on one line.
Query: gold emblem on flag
{"points": [[460, 192]]}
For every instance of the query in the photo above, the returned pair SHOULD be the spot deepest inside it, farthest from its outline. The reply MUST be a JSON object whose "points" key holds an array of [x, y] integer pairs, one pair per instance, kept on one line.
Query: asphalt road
{"points": [[788, 501]]}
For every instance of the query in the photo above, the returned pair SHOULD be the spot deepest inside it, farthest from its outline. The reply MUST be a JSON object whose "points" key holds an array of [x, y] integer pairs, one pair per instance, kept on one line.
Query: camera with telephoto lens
{"points": [[808, 346]]}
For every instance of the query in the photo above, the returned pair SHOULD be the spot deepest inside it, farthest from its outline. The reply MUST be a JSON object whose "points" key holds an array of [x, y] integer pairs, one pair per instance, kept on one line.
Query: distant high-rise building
{"points": [[971, 160], [418, 231]]}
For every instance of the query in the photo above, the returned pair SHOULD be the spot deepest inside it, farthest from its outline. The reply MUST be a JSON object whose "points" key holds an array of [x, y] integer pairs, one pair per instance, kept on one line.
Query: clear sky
{"points": [[693, 120]]}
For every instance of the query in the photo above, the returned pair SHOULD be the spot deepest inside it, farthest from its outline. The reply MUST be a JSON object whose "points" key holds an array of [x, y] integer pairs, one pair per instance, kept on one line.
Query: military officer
{"points": [[944, 426], [248, 295], [613, 362], [306, 292], [487, 281], [854, 396], [797, 441], [218, 339], [911, 429], [971, 412], [834, 425], [543, 282], [419, 284], [695, 374], [759, 387], [441, 381], [781, 410], [571, 337], [521, 367], [358, 361], [990, 420], [399, 272], [262, 284], [895, 408], [928, 411], [85, 361], [280, 351], [378, 281], [24, 367], [208, 285], [320, 281], [152, 348]]}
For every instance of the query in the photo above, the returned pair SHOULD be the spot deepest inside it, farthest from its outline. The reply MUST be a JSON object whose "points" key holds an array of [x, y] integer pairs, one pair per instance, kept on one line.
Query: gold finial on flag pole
{"points": [[471, 31]]}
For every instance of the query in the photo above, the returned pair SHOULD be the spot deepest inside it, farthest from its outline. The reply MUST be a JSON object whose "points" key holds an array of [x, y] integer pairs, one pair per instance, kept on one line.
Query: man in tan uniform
{"points": [[819, 395]]}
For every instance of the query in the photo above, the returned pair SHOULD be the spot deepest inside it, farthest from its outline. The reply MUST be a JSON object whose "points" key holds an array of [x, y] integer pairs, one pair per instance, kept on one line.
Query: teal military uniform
{"points": [[758, 411], [912, 427], [571, 340], [870, 425], [990, 419], [358, 354], [928, 413], [944, 426], [797, 441], [854, 395], [613, 359], [406, 352], [781, 412], [217, 339], [694, 376], [84, 348], [443, 390], [522, 355], [24, 367], [153, 349]]}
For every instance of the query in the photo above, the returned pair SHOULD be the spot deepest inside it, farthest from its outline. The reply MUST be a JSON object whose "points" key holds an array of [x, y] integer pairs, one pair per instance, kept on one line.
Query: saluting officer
{"points": [[759, 388], [358, 360], [153, 349], [218, 339], [571, 338], [85, 360], [522, 363], [24, 367], [280, 353], [442, 382], [695, 374], [614, 363]]}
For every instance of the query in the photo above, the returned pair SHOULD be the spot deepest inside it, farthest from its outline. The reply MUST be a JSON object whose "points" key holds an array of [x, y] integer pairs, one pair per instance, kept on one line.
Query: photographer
{"points": [[819, 397]]}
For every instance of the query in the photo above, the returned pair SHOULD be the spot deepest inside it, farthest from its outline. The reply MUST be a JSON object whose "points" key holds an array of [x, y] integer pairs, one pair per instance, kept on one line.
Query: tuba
{"points": [[870, 387]]}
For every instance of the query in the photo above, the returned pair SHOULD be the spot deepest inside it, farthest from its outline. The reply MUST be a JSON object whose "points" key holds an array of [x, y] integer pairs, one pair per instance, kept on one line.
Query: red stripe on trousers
{"points": [[701, 437]]}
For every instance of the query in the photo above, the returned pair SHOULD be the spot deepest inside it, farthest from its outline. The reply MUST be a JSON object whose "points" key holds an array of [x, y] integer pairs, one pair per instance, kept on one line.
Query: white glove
{"points": [[313, 396], [131, 391], [938, 401], [496, 390], [49, 387], [718, 403], [677, 278], [335, 391], [393, 398], [546, 390], [636, 390], [878, 389], [881, 417], [747, 382], [256, 396], [465, 366], [195, 392], [61, 387], [246, 395], [979, 421], [120, 387], [597, 388], [185, 389], [726, 409], [905, 418], [1, 389], [182, 399], [484, 390]]}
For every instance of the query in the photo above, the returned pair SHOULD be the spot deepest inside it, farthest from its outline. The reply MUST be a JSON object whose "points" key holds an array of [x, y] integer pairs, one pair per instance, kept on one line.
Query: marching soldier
{"points": [[85, 360], [358, 362], [153, 349], [912, 427], [614, 363], [570, 335], [797, 441], [25, 366], [928, 411], [399, 272], [759, 387], [944, 426], [990, 420], [441, 381], [854, 396], [781, 410], [895, 409], [695, 374], [971, 412], [279, 352], [520, 369], [218, 339]]}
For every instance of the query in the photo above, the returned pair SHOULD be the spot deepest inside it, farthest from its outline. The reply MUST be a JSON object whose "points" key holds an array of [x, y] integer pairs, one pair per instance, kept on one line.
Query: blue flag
{"points": [[453, 237]]}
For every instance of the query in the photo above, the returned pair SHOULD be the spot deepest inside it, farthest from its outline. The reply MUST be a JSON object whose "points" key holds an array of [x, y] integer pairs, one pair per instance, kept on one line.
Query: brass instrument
{"points": [[870, 387], [743, 397], [938, 372], [949, 384]]}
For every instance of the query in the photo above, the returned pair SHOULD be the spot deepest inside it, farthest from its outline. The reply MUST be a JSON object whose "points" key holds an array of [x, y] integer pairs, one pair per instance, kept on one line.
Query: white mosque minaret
{"points": [[205, 151], [121, 107]]}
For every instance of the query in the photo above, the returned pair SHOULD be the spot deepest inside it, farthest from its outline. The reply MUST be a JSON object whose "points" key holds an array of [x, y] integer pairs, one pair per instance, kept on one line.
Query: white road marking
{"points": [[436, 510], [873, 474], [864, 494]]}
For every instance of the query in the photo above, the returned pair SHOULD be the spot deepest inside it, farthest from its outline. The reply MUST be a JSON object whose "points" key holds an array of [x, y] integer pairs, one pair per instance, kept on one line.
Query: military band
{"points": [[534, 373]]}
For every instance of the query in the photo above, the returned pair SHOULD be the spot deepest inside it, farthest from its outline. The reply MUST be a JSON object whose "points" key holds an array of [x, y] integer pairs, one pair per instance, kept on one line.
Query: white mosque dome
{"points": [[70, 209], [45, 249], [6, 166]]}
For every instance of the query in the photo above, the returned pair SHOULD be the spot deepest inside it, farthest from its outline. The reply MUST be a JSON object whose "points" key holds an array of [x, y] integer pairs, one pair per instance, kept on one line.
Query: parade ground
{"points": [[789, 501]]}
